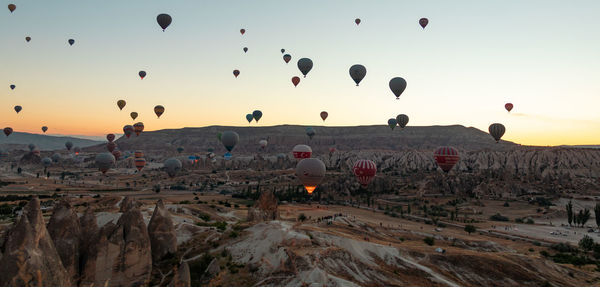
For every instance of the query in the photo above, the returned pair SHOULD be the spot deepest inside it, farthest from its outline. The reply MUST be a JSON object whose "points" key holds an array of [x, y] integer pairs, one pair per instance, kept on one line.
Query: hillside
{"points": [[18, 140], [283, 138]]}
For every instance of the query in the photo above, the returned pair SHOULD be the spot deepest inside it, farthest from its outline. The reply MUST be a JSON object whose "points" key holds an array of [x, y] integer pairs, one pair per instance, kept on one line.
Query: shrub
{"points": [[519, 220], [470, 228], [586, 243], [429, 241], [529, 221], [302, 217], [220, 225], [506, 204], [498, 217]]}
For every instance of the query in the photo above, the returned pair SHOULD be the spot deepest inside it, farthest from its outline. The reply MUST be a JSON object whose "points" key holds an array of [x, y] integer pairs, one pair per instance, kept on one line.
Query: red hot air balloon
{"points": [[8, 131], [295, 81], [508, 107], [287, 58], [324, 115], [12, 7], [140, 162], [110, 146], [423, 22], [142, 74], [301, 151], [236, 73], [128, 130], [242, 31], [110, 137], [364, 170], [116, 154], [138, 128], [446, 157]]}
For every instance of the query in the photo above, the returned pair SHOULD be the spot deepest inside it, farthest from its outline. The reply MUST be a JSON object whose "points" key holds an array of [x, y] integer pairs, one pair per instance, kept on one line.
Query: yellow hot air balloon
{"points": [[133, 115], [159, 110], [121, 104]]}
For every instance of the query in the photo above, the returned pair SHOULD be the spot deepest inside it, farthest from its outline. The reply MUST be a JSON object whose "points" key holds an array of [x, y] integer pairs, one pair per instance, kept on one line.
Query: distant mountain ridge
{"points": [[282, 138], [19, 140]]}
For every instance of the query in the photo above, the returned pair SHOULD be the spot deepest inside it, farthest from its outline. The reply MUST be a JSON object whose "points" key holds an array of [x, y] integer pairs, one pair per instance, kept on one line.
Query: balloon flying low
{"points": [[311, 172], [497, 131], [446, 157], [402, 120]]}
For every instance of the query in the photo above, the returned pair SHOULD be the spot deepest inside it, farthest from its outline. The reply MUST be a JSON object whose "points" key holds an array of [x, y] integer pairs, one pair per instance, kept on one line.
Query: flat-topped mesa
{"points": [[65, 230], [30, 258], [163, 237]]}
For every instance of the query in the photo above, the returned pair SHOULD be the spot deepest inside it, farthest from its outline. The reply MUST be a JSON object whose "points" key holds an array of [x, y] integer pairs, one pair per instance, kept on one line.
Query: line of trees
{"points": [[580, 218]]}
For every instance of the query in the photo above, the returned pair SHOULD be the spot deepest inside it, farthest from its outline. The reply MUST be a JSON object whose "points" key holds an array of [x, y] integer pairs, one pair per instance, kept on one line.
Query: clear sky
{"points": [[473, 57]]}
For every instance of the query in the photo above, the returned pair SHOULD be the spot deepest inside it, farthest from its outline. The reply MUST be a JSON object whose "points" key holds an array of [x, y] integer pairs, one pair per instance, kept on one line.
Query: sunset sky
{"points": [[473, 57]]}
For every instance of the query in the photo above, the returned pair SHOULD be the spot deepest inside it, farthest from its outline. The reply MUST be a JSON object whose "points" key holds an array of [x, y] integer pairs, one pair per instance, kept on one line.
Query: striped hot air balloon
{"points": [[497, 131], [302, 151], [140, 162], [138, 128], [364, 170], [138, 154], [446, 157]]}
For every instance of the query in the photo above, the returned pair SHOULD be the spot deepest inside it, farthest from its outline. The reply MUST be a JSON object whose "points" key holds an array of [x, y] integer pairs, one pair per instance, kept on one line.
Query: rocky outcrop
{"points": [[213, 269], [120, 255], [265, 208], [163, 237], [30, 258], [182, 276], [128, 203], [65, 231]]}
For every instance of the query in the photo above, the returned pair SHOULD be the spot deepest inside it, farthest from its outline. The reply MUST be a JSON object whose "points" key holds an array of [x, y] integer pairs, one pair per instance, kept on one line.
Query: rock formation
{"points": [[120, 254], [65, 231], [265, 208], [30, 258], [127, 203], [182, 277], [162, 234]]}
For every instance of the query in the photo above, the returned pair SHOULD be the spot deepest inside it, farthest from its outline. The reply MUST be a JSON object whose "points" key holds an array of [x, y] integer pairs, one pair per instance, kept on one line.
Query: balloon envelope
{"points": [[245, 49], [172, 166], [242, 31], [287, 58], [133, 115], [128, 130], [324, 115], [392, 123], [229, 139], [12, 87], [12, 7], [311, 172], [110, 146], [236, 73], [27, 38], [116, 154], [164, 20], [446, 157], [357, 21], [121, 104], [110, 137], [68, 145], [364, 170], [138, 128], [257, 115], [140, 162], [71, 42], [397, 85], [142, 74], [105, 161], [8, 131], [295, 81], [357, 73], [249, 118], [282, 51], [46, 162], [301, 151], [159, 110], [310, 132], [402, 120], [44, 128], [508, 106], [305, 65], [423, 22], [497, 131], [18, 109]]}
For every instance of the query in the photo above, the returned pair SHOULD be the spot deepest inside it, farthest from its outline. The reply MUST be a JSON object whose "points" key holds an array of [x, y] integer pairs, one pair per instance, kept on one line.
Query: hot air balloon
{"points": [[287, 58], [68, 145], [46, 162], [392, 123], [121, 104], [282, 51], [140, 162], [77, 150], [263, 143], [159, 110], [138, 154], [138, 128], [249, 118], [31, 147], [71, 42], [257, 115], [128, 130], [105, 161], [172, 166], [27, 38], [357, 73], [18, 109], [8, 131], [110, 146], [110, 137], [397, 85], [364, 170], [311, 172], [295, 81], [357, 21], [44, 129], [133, 115], [423, 22], [242, 31], [116, 154], [302, 151], [12, 7], [229, 139], [56, 157], [508, 107], [236, 73], [305, 65], [180, 149], [142, 74], [164, 20], [497, 131], [310, 132], [12, 87], [446, 157], [245, 49], [324, 115], [402, 120]]}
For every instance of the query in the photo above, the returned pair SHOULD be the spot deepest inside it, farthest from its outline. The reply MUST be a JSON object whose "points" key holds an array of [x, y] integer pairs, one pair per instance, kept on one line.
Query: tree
{"points": [[584, 216], [470, 228], [597, 214], [586, 243], [570, 212], [302, 217]]}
